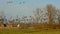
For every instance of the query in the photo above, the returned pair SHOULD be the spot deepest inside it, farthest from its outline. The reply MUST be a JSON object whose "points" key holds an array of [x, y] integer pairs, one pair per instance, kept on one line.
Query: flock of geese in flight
{"points": [[23, 2]]}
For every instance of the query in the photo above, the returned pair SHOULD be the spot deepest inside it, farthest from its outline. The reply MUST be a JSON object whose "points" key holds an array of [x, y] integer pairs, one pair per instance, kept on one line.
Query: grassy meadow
{"points": [[28, 31]]}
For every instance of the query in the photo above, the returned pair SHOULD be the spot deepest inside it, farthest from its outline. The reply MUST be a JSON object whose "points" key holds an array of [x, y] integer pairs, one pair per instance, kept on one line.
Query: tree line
{"points": [[52, 13]]}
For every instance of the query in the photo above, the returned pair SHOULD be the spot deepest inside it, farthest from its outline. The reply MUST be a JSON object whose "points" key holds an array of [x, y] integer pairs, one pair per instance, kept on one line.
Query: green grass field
{"points": [[28, 31]]}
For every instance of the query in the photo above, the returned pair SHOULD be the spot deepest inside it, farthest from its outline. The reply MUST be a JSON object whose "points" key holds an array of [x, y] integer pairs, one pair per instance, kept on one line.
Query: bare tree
{"points": [[37, 15], [51, 10], [58, 13]]}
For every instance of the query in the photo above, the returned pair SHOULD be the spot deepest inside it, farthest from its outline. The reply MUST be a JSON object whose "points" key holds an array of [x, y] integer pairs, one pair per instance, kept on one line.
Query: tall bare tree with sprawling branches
{"points": [[51, 12]]}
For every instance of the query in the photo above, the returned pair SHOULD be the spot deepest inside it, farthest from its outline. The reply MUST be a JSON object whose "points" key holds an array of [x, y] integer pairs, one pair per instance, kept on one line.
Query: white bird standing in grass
{"points": [[18, 25]]}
